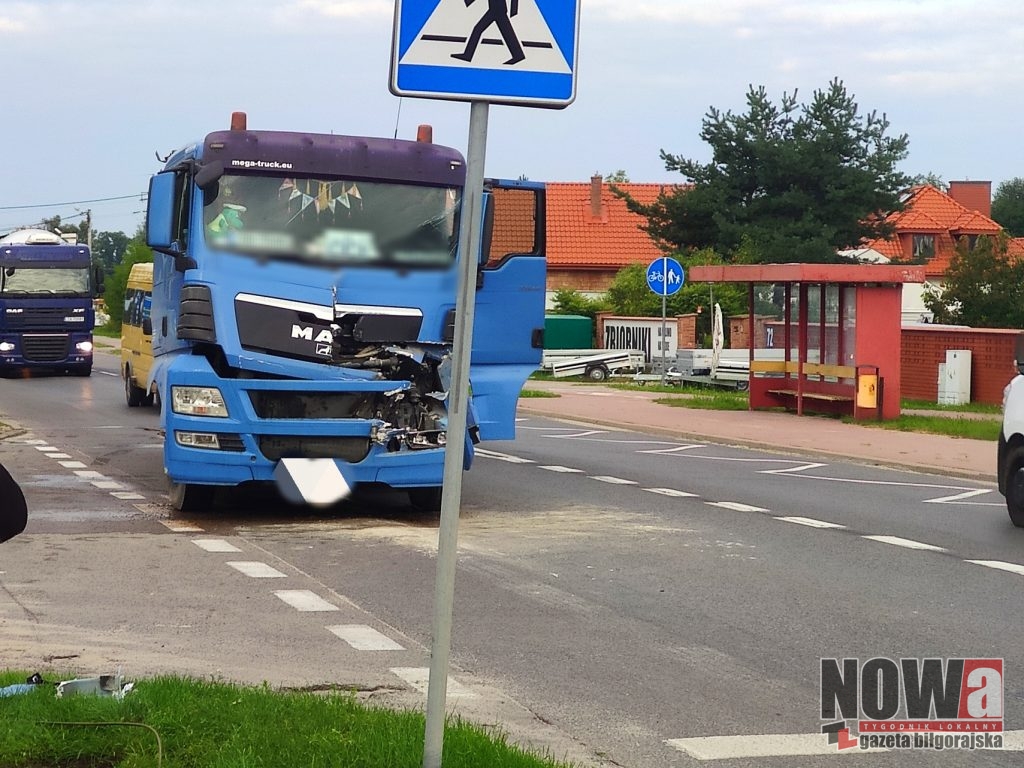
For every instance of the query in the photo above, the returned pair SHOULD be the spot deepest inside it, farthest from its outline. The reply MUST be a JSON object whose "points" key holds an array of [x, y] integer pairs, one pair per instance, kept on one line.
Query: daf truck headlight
{"points": [[6, 346], [84, 346], [198, 401]]}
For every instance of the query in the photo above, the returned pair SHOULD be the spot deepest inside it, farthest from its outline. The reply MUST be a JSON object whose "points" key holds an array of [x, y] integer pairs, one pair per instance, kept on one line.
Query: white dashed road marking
{"points": [[768, 745], [72, 464], [613, 480], [304, 600], [1000, 565], [789, 745], [671, 492], [502, 457], [108, 485], [896, 541], [810, 522], [257, 570], [181, 527], [556, 468], [90, 474], [365, 638], [127, 495], [965, 495], [59, 455], [419, 678], [801, 468], [735, 506], [215, 545]]}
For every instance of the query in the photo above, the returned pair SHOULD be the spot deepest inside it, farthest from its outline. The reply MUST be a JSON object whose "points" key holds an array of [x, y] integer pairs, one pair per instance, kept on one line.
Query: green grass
{"points": [[107, 332], [926, 405], [202, 724], [708, 400], [538, 393], [976, 429]]}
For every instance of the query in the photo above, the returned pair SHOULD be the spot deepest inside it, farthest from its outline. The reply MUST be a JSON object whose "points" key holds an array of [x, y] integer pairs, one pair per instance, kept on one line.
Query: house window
{"points": [[924, 246]]}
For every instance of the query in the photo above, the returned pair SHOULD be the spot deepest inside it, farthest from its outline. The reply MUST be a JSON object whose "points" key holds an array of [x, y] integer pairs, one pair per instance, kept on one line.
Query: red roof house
{"points": [[933, 222], [591, 234]]}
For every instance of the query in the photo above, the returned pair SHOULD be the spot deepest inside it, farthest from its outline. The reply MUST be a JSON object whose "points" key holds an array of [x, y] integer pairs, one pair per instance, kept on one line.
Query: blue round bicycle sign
{"points": [[665, 276]]}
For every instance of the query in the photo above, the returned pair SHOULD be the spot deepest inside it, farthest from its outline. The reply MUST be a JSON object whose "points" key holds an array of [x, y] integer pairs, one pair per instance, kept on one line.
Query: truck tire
{"points": [[133, 395], [188, 497], [597, 373], [425, 499], [1015, 486]]}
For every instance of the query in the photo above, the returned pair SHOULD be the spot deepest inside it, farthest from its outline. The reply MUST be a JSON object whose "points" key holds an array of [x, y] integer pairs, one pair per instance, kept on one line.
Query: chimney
{"points": [[973, 195], [595, 195]]}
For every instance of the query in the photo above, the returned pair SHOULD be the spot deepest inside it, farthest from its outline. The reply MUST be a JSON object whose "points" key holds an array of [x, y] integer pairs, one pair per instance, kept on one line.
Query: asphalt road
{"points": [[618, 594]]}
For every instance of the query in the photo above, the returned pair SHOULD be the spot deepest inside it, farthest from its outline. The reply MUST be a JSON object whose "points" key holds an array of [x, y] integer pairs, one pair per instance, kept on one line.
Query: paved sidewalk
{"points": [[810, 435]]}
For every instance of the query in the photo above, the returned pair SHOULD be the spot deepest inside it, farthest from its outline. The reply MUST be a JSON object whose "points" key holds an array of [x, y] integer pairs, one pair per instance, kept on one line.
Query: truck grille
{"points": [[38, 318], [306, 405], [45, 348], [350, 449]]}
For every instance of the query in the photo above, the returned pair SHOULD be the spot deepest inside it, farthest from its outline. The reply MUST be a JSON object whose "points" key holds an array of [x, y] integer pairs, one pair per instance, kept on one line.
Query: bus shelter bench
{"points": [[845, 378]]}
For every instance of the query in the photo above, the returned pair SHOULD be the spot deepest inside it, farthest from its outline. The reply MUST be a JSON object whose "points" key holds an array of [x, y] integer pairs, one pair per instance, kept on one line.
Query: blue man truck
{"points": [[304, 302], [47, 287]]}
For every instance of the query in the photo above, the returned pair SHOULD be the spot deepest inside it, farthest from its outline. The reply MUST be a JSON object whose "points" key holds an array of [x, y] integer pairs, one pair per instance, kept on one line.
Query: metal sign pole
{"points": [[664, 326], [454, 455]]}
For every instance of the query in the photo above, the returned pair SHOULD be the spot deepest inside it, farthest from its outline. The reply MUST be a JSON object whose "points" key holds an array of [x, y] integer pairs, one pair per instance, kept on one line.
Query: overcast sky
{"points": [[91, 91]]}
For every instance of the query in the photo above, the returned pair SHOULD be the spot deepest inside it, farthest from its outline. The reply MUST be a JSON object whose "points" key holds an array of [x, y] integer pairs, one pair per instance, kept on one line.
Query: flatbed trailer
{"points": [[595, 364]]}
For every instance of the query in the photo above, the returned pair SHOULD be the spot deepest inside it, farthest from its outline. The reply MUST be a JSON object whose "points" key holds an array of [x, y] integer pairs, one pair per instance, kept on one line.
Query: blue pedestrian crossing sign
{"points": [[520, 52], [665, 276]]}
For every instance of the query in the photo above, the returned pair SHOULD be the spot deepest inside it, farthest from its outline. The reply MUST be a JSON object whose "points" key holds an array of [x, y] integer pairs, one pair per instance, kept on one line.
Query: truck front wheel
{"points": [[426, 499], [1015, 487], [187, 497]]}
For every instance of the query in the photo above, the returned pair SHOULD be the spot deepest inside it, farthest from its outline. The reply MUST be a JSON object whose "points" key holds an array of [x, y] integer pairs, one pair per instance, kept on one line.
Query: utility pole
{"points": [[88, 228]]}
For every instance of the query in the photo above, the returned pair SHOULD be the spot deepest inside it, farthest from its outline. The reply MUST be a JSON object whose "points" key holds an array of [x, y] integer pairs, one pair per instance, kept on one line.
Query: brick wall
{"points": [[586, 281], [992, 360]]}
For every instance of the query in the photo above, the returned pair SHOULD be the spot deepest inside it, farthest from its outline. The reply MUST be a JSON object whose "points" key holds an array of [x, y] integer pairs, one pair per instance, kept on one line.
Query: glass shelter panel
{"points": [[848, 334]]}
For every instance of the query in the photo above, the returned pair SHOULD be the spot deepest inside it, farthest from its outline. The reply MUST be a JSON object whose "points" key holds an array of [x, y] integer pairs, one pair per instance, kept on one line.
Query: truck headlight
{"points": [[6, 346], [198, 401], [84, 346]]}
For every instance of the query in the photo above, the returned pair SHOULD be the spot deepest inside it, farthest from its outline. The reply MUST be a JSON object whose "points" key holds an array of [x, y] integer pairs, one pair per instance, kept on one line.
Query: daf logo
{"points": [[15, 311], [306, 332]]}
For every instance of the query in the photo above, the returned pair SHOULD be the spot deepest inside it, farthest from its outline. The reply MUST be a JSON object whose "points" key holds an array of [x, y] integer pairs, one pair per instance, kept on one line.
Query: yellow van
{"points": [[137, 336]]}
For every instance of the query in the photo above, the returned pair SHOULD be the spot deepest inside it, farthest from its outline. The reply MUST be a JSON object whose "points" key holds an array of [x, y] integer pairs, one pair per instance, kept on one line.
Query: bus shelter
{"points": [[833, 343]]}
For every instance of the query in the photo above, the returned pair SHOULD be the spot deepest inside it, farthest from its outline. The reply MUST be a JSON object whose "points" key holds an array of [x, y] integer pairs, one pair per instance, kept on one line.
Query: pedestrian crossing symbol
{"points": [[500, 51]]}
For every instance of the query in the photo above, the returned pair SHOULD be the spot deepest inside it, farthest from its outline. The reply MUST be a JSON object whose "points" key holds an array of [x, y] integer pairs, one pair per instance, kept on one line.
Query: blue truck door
{"points": [[508, 322]]}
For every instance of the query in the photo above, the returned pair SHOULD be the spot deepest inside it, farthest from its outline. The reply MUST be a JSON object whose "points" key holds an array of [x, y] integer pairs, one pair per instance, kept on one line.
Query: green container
{"points": [[568, 332]]}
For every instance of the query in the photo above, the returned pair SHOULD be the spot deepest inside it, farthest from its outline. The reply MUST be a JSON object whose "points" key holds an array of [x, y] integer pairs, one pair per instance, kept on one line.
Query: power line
{"points": [[140, 195]]}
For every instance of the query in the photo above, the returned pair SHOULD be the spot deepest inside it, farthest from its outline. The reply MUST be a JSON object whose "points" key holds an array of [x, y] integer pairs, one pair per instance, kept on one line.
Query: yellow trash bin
{"points": [[867, 390]]}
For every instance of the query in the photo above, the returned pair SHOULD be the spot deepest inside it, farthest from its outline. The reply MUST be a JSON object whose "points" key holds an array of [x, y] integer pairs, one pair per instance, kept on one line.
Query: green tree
{"points": [[617, 177], [630, 295], [931, 179], [983, 287], [113, 295], [787, 182], [569, 301], [108, 248], [1008, 206]]}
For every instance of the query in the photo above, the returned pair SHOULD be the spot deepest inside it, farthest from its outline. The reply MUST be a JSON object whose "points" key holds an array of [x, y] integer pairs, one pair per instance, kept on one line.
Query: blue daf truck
{"points": [[304, 307], [47, 287]]}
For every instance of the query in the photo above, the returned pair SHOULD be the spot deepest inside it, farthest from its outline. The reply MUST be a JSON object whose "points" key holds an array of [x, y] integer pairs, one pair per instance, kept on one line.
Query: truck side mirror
{"points": [[13, 509], [161, 213], [97, 279], [147, 326]]}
